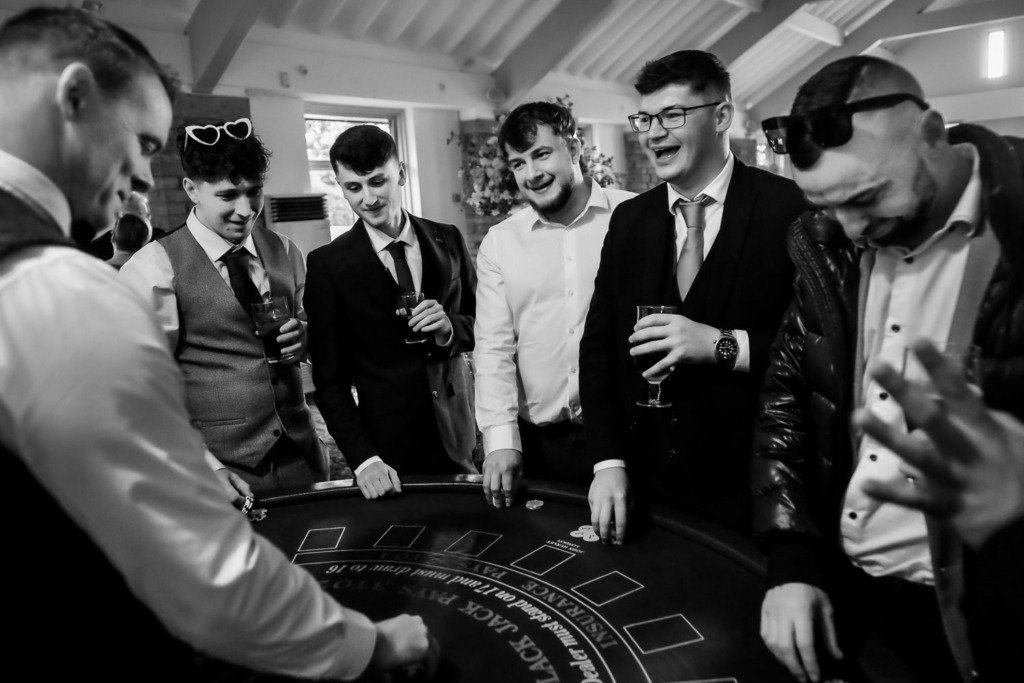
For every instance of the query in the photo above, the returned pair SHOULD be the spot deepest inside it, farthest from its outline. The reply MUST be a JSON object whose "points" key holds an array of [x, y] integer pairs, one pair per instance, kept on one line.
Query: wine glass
{"points": [[645, 361]]}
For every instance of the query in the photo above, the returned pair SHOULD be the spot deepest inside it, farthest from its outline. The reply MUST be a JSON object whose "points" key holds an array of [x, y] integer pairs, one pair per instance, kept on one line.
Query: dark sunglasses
{"points": [[829, 126]]}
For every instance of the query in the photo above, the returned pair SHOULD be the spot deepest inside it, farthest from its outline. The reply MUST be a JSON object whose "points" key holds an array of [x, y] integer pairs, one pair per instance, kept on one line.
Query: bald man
{"points": [[915, 235]]}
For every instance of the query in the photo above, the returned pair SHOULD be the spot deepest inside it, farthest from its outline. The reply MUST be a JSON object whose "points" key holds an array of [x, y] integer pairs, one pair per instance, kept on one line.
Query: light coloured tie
{"points": [[692, 256]]}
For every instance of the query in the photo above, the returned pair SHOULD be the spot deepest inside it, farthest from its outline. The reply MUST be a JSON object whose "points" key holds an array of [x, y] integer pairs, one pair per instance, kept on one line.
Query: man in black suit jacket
{"points": [[696, 453], [414, 411]]}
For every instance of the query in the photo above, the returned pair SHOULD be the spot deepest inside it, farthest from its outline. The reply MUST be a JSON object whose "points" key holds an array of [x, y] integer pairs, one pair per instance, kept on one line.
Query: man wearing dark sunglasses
{"points": [[730, 280], [918, 235]]}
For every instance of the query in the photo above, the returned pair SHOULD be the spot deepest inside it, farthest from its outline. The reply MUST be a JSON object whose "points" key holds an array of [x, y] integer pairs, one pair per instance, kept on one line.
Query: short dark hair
{"points": [[45, 36], [130, 233], [832, 85], [698, 69], [363, 148], [228, 159], [519, 130]]}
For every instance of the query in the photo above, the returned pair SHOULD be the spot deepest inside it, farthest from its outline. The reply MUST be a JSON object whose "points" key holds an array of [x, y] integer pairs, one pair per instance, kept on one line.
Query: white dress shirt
{"points": [[716, 189], [911, 294], [535, 280], [93, 402]]}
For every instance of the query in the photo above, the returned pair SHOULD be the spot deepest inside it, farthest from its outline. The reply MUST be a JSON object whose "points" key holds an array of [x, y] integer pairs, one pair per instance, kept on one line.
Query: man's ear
{"points": [[77, 90], [575, 149], [723, 116], [401, 173], [933, 128], [191, 189]]}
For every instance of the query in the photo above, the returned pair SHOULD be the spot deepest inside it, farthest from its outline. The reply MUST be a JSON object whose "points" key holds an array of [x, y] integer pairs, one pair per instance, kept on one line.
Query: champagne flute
{"points": [[645, 361], [966, 356]]}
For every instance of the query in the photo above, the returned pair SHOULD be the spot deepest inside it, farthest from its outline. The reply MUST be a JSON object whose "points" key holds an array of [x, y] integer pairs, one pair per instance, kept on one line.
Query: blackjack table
{"points": [[529, 593]]}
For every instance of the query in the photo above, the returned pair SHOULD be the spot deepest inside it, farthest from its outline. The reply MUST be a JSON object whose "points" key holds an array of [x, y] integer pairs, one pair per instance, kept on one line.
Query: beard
{"points": [[557, 202], [910, 231]]}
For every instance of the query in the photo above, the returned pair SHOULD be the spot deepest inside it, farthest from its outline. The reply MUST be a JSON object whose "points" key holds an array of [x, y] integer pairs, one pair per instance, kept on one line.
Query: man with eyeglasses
{"points": [[709, 241], [928, 244], [202, 279]]}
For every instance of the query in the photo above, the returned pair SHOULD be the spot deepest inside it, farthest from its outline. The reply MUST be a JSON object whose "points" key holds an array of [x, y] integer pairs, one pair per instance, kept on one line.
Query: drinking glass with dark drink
{"points": [[268, 316], [407, 303], [966, 356], [645, 361]]}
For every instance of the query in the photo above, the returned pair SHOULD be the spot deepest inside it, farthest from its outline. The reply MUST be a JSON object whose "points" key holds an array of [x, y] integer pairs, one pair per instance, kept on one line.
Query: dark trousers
{"points": [[286, 466], [891, 630], [555, 452]]}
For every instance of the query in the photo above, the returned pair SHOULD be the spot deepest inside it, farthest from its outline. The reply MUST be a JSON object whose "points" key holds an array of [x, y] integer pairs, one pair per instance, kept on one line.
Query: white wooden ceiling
{"points": [[766, 44]]}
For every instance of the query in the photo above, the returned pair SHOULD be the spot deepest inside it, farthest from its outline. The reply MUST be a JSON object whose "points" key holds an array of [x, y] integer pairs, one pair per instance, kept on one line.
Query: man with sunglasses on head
{"points": [[202, 279], [709, 241], [127, 547], [928, 244]]}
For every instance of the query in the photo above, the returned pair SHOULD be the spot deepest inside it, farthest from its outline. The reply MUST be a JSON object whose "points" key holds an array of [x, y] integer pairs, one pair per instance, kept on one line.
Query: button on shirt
{"points": [[910, 294], [103, 427], [716, 189], [535, 280]]}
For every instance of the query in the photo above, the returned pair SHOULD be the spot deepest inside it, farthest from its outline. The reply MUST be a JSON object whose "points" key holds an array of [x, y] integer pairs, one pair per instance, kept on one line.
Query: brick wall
{"points": [[167, 200]]}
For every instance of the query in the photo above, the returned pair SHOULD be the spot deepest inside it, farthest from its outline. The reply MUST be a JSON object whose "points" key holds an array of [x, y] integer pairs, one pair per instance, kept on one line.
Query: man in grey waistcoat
{"points": [[202, 280]]}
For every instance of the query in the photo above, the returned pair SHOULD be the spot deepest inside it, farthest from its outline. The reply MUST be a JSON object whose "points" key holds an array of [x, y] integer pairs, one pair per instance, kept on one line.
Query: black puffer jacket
{"points": [[803, 453]]}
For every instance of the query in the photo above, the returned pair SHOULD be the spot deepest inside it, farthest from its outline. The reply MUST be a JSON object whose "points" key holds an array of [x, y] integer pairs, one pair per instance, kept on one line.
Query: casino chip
{"points": [[585, 532], [534, 504], [253, 514]]}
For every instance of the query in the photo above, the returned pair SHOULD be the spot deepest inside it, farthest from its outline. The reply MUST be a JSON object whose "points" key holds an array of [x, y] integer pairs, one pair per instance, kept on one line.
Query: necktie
{"points": [[692, 256], [237, 262], [397, 251]]}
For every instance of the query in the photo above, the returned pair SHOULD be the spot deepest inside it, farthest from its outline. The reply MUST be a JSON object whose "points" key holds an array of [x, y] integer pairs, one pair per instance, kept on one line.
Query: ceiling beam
{"points": [[878, 27], [958, 17], [328, 15], [753, 28], [748, 5], [283, 11], [806, 23], [215, 31], [547, 45]]}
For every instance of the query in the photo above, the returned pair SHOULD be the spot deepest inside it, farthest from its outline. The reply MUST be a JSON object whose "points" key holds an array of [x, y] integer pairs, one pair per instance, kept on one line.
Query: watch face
{"points": [[726, 350]]}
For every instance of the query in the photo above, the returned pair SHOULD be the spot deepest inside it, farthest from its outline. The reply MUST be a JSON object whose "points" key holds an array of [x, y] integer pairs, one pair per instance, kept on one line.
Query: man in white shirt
{"points": [[535, 277], [927, 245], [112, 486]]}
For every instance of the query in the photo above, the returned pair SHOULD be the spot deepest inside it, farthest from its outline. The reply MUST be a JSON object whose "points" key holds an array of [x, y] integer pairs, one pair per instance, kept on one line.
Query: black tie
{"points": [[397, 251], [237, 261]]}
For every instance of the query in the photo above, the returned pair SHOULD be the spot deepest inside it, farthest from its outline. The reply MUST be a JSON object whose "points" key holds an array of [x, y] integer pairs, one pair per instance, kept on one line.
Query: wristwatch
{"points": [[727, 349]]}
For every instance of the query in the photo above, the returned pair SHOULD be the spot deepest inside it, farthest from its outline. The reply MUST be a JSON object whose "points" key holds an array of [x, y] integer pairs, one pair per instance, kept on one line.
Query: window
{"points": [[996, 55], [321, 131]]}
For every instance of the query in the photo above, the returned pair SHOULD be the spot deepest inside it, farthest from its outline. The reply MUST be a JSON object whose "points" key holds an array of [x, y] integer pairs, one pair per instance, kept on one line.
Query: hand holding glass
{"points": [[645, 361], [268, 317], [407, 303]]}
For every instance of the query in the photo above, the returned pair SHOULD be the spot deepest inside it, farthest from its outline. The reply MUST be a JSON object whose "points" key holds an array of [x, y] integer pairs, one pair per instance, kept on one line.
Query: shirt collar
{"points": [[966, 215], [597, 199], [213, 244], [716, 189], [33, 187], [380, 239]]}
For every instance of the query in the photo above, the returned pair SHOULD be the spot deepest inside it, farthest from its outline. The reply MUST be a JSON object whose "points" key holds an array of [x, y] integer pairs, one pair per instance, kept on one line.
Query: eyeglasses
{"points": [[829, 126], [672, 117], [210, 135]]}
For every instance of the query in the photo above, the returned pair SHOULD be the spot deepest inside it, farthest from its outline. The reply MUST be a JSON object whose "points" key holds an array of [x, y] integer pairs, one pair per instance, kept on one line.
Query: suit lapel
{"points": [[653, 238], [715, 280], [437, 266]]}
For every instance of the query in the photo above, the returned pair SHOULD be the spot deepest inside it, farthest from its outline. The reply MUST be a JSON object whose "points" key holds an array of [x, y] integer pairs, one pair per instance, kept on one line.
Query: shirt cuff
{"points": [[212, 461], [499, 437], [366, 463], [743, 356], [608, 464]]}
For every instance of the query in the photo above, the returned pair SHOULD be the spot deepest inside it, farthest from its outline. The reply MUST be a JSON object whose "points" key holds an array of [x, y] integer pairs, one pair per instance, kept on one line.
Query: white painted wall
{"points": [[435, 164], [279, 121]]}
